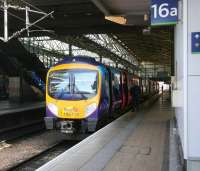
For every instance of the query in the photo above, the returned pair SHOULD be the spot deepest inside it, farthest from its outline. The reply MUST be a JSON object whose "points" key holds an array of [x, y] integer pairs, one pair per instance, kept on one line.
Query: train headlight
{"points": [[53, 108], [90, 109]]}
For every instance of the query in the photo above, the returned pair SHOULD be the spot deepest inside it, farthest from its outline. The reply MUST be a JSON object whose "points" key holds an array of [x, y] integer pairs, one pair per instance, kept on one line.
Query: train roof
{"points": [[79, 59], [86, 60]]}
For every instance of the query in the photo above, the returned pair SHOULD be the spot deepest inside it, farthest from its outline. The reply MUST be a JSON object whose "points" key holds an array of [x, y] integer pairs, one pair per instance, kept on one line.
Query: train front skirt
{"points": [[71, 126]]}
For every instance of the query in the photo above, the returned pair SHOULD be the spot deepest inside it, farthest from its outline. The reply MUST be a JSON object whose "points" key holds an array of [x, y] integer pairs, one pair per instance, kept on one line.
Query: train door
{"points": [[106, 93], [124, 89], [129, 85], [115, 91]]}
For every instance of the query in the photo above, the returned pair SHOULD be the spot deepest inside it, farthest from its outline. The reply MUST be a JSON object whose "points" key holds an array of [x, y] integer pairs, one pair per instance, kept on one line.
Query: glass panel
{"points": [[75, 84], [85, 82], [59, 83]]}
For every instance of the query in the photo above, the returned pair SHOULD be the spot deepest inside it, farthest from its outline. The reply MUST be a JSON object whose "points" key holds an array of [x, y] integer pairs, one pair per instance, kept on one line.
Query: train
{"points": [[83, 94]]}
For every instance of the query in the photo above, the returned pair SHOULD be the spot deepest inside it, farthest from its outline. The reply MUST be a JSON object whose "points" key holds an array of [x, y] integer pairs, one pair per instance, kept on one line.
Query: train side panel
{"points": [[105, 99]]}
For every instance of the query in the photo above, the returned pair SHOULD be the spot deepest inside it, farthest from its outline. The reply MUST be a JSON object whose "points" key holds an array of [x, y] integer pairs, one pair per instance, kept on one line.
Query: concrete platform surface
{"points": [[146, 148], [134, 142]]}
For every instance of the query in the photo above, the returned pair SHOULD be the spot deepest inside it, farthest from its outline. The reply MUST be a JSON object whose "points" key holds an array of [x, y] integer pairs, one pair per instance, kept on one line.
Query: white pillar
{"points": [[188, 82]]}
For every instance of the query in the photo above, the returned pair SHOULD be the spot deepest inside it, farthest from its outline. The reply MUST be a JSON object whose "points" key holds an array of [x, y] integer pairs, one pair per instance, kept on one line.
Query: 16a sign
{"points": [[164, 12]]}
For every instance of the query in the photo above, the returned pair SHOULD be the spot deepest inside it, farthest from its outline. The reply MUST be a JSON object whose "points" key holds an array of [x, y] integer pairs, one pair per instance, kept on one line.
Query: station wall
{"points": [[193, 82], [187, 76], [180, 86]]}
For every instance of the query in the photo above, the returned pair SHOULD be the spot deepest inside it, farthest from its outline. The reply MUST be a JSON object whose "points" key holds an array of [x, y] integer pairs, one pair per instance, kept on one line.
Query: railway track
{"points": [[43, 157], [46, 154], [21, 130]]}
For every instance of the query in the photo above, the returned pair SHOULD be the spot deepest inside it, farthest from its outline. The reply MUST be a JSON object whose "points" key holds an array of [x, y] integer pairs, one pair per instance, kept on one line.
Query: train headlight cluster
{"points": [[53, 108], [90, 109]]}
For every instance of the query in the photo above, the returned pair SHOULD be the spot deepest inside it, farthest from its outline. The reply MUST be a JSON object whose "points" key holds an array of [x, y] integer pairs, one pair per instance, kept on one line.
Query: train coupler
{"points": [[67, 127]]}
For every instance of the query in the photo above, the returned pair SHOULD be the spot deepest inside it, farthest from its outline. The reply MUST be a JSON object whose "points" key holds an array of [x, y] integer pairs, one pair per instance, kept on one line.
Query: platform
{"points": [[9, 108], [135, 141]]}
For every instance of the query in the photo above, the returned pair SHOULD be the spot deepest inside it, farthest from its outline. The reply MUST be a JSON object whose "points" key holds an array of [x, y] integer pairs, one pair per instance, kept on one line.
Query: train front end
{"points": [[72, 97]]}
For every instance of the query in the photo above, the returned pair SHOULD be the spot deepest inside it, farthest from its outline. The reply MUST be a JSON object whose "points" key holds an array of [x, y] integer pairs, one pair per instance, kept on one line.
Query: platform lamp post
{"points": [[154, 70], [116, 64], [5, 20], [70, 50], [43, 57], [50, 61], [145, 75], [100, 59]]}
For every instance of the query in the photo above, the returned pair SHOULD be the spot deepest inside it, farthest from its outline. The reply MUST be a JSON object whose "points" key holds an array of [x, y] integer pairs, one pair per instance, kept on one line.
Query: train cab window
{"points": [[85, 82], [59, 83], [73, 84]]}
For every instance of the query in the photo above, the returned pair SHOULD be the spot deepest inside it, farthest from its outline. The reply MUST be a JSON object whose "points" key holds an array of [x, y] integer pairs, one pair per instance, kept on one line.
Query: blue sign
{"points": [[164, 12], [196, 42]]}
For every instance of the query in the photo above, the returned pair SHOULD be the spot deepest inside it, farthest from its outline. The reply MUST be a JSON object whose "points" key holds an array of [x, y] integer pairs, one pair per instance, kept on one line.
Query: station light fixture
{"points": [[146, 17], [117, 19], [146, 31]]}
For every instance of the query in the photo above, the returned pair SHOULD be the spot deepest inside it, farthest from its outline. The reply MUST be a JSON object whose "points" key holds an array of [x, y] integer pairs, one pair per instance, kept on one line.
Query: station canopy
{"points": [[126, 21]]}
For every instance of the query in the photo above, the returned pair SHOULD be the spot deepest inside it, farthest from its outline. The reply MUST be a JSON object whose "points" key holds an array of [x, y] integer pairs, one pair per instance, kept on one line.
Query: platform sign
{"points": [[164, 12], [196, 42]]}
